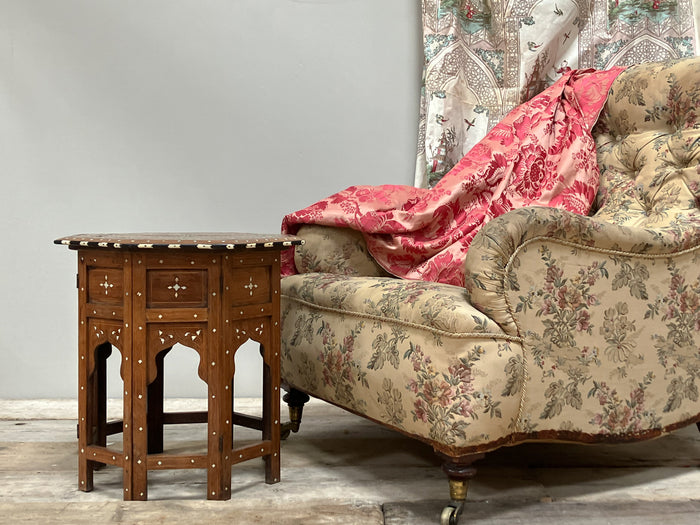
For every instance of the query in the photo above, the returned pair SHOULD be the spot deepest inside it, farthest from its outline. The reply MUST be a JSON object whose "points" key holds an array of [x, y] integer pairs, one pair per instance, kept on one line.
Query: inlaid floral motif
{"points": [[106, 285], [176, 287], [250, 286]]}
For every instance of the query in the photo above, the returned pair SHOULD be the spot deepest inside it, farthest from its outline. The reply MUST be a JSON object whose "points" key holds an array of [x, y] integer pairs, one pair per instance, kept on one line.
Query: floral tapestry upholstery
{"points": [[569, 327], [345, 252]]}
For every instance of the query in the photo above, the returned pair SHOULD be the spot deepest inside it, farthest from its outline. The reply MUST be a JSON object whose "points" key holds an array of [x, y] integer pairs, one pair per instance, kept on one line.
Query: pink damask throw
{"points": [[541, 154]]}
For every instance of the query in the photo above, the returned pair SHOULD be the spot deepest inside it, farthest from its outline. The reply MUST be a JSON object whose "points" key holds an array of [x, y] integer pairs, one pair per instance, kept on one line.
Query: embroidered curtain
{"points": [[484, 57]]}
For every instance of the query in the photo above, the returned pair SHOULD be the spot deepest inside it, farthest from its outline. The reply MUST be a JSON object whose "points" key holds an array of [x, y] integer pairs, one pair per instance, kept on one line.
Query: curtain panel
{"points": [[484, 57]]}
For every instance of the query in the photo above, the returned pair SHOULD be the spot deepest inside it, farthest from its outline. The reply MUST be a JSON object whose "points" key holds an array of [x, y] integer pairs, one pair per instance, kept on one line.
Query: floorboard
{"points": [[343, 469]]}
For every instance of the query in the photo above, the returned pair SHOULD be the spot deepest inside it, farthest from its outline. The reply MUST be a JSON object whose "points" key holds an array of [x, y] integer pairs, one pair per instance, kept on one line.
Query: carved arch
{"points": [[101, 333], [163, 336], [256, 329]]}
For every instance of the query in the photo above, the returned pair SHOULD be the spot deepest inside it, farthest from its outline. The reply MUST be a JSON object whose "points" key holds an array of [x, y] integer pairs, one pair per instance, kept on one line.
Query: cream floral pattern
{"points": [[364, 339], [337, 250], [579, 328]]}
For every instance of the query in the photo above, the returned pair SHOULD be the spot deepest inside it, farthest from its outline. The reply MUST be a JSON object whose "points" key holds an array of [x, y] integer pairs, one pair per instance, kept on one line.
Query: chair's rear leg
{"points": [[459, 471], [295, 400]]}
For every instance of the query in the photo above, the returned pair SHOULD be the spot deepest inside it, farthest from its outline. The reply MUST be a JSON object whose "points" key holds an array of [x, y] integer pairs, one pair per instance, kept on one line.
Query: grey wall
{"points": [[156, 115]]}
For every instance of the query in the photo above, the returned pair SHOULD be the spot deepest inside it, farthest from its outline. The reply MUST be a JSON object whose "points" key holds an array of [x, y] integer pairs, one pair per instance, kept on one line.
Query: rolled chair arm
{"points": [[492, 263], [335, 250]]}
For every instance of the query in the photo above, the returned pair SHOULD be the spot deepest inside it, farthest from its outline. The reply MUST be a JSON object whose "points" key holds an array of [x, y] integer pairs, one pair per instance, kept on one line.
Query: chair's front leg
{"points": [[459, 470], [296, 401]]}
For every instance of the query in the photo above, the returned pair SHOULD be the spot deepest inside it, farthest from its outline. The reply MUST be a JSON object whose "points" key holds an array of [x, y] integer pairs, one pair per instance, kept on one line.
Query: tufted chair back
{"points": [[648, 139]]}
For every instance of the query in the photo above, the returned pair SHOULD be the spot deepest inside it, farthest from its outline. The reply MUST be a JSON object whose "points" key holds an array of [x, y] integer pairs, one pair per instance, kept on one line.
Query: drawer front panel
{"points": [[105, 286], [249, 285], [176, 288]]}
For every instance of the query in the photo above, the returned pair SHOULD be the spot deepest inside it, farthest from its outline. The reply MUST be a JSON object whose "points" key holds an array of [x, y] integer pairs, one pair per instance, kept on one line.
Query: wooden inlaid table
{"points": [[144, 293]]}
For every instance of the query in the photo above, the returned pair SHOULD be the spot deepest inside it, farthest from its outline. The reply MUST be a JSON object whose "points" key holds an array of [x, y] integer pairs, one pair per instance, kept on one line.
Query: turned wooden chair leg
{"points": [[459, 471], [295, 400]]}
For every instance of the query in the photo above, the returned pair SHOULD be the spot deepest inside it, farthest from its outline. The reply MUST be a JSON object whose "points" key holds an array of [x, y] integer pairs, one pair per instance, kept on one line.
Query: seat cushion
{"points": [[436, 308], [413, 355]]}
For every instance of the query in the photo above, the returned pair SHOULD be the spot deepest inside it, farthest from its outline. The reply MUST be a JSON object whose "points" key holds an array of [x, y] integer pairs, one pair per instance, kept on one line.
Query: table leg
{"points": [[137, 396], [220, 427], [233, 409], [155, 406], [271, 412], [103, 353], [86, 420]]}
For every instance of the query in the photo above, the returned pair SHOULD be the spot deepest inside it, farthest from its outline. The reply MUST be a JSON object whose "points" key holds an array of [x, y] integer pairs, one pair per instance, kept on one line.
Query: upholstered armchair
{"points": [[570, 328]]}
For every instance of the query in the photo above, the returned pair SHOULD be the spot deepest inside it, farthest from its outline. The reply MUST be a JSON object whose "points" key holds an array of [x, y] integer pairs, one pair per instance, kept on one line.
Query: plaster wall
{"points": [[176, 115]]}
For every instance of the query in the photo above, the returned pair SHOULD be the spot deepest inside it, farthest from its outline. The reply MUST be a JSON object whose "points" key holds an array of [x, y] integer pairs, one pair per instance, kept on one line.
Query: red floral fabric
{"points": [[540, 154]]}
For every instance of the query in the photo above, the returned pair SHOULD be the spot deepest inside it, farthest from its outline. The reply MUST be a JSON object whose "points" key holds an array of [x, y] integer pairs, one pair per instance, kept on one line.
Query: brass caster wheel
{"points": [[285, 431], [450, 515]]}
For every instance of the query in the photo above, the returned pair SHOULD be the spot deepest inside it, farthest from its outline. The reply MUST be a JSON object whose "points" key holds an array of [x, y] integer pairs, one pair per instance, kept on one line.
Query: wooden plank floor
{"points": [[342, 469]]}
